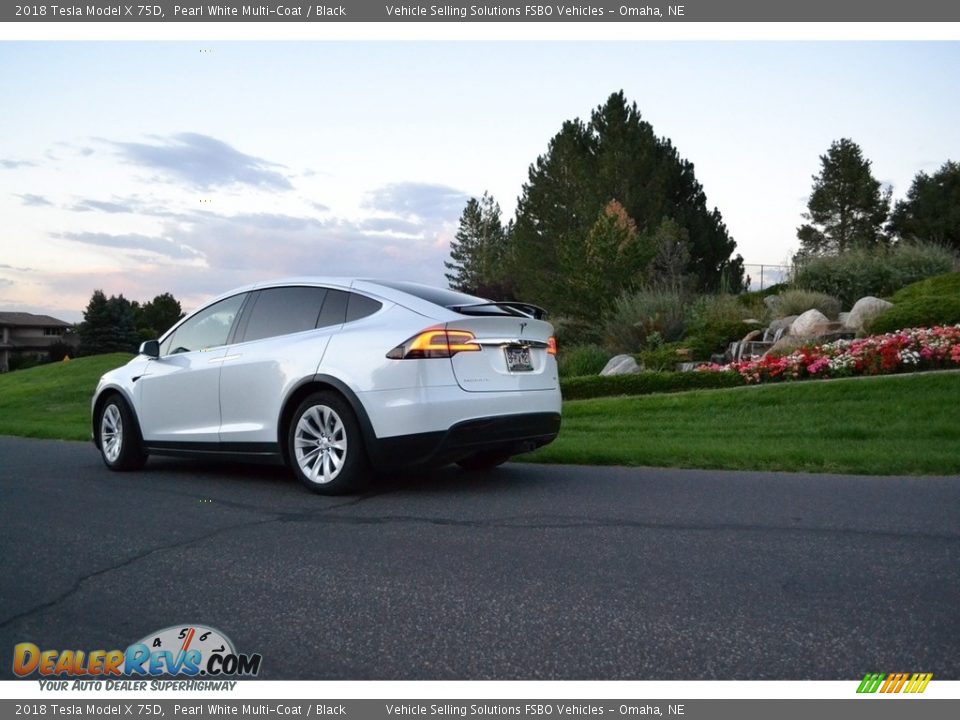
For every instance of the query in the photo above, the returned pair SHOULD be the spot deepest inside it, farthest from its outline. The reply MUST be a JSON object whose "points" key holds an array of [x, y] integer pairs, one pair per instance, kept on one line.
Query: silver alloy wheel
{"points": [[320, 444], [111, 433]]}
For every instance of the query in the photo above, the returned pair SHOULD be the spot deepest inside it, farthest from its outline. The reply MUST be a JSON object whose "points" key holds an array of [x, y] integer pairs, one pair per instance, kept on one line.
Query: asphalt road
{"points": [[532, 572]]}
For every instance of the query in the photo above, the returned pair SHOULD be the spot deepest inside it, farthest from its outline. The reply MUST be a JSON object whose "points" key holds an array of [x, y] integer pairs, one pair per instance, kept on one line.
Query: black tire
{"points": [[485, 460], [118, 436], [332, 459]]}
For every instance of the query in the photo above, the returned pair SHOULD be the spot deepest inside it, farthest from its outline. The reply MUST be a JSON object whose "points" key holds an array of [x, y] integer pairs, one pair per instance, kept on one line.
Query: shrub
{"points": [[58, 350], [926, 311], [635, 315], [948, 284], [795, 302], [715, 322], [21, 361], [645, 383], [571, 332], [664, 357], [861, 272], [581, 360], [754, 305]]}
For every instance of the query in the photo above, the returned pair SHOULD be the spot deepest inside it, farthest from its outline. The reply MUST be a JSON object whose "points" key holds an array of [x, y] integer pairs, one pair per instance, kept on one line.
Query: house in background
{"points": [[26, 334]]}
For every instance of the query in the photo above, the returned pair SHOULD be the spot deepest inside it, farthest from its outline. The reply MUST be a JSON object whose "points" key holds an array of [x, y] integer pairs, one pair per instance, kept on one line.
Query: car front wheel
{"points": [[120, 445], [325, 446]]}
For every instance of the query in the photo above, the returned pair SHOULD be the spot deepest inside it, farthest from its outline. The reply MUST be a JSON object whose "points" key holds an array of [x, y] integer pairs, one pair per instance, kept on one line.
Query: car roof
{"points": [[382, 289]]}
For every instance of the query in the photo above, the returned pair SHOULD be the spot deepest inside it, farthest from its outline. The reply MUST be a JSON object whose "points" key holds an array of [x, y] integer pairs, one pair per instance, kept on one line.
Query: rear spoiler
{"points": [[518, 309]]}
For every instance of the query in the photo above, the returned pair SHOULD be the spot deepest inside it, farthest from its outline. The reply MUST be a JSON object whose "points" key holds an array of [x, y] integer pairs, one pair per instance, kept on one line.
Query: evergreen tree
{"points": [[108, 326], [95, 328], [478, 251], [157, 316], [615, 155], [931, 211], [847, 207]]}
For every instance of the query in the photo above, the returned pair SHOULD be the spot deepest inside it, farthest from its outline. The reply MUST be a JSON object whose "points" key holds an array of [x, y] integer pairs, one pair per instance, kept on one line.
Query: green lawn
{"points": [[53, 401], [904, 424]]}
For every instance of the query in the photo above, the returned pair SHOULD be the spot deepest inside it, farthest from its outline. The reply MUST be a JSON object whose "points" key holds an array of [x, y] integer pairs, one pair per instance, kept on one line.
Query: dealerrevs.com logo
{"points": [[894, 682], [180, 650]]}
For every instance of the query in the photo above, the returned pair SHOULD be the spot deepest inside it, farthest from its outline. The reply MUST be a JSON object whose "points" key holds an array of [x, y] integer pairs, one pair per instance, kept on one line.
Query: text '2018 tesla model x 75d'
{"points": [[337, 378]]}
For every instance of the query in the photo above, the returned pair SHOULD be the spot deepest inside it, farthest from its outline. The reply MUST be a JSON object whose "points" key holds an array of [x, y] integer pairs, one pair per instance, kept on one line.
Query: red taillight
{"points": [[552, 346], [435, 343]]}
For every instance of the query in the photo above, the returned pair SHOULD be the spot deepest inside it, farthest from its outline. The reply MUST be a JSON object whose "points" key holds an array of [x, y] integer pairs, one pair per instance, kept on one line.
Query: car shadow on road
{"points": [[273, 477]]}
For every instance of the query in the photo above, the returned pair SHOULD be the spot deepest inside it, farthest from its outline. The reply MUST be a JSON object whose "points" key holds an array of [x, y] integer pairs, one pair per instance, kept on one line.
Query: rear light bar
{"points": [[552, 346], [435, 343]]}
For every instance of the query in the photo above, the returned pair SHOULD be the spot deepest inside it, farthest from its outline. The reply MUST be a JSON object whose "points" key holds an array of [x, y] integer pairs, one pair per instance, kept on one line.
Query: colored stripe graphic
{"points": [[894, 682], [870, 683], [918, 683]]}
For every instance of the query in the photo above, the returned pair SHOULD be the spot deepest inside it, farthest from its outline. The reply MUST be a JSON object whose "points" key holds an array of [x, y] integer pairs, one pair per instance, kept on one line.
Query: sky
{"points": [[192, 168]]}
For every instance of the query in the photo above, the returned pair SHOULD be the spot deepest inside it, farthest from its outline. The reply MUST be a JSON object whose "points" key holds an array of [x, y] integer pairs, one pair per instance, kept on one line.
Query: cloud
{"points": [[397, 226], [204, 162], [263, 245], [7, 164], [32, 200], [132, 204], [4, 266], [132, 241], [5, 283], [90, 205], [423, 200]]}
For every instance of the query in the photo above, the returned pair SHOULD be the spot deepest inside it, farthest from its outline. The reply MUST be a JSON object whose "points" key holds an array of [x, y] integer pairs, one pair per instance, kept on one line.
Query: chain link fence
{"points": [[762, 276]]}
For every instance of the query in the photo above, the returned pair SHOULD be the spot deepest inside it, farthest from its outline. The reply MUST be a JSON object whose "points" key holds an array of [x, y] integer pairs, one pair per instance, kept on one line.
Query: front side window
{"points": [[207, 329]]}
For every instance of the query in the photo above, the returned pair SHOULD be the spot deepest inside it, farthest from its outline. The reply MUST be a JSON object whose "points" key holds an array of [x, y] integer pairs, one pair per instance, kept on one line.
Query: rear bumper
{"points": [[509, 433]]}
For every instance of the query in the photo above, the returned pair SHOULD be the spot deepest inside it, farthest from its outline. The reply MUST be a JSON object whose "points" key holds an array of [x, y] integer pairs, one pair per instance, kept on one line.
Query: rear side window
{"points": [[281, 311], [360, 306], [334, 308]]}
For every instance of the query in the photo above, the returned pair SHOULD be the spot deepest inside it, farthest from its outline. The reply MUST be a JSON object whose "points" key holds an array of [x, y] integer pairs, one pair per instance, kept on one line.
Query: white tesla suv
{"points": [[337, 377]]}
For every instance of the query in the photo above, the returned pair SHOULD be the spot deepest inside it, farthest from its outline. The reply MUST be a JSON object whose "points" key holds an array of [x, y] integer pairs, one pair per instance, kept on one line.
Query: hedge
{"points": [[926, 311], [948, 284], [644, 383]]}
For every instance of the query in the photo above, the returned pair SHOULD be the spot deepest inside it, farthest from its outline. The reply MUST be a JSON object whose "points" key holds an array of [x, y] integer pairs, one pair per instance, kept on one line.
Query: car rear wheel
{"points": [[486, 460], [120, 444], [325, 446]]}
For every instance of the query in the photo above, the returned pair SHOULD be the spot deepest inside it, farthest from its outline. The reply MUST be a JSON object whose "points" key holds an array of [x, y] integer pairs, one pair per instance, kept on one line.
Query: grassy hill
{"points": [[901, 424], [898, 424], [53, 401]]}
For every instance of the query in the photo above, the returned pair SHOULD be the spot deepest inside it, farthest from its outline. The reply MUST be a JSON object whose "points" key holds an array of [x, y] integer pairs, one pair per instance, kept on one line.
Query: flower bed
{"points": [[897, 352]]}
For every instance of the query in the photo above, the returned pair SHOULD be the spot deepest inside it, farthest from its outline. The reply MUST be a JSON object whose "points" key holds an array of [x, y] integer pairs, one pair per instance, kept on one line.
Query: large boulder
{"points": [[809, 324], [779, 324], [864, 311], [621, 365]]}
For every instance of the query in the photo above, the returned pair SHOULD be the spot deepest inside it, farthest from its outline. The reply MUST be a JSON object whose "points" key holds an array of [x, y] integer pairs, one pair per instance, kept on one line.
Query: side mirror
{"points": [[150, 348]]}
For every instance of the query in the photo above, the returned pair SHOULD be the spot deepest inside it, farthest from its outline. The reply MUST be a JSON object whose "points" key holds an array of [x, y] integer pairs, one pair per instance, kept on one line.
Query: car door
{"points": [[178, 395], [283, 336]]}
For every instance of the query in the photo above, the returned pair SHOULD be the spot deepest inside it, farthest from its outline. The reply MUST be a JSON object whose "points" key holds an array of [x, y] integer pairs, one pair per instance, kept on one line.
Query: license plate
{"points": [[518, 359]]}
